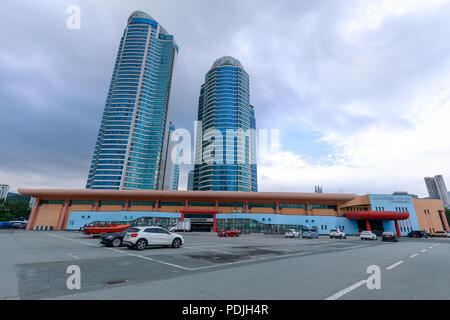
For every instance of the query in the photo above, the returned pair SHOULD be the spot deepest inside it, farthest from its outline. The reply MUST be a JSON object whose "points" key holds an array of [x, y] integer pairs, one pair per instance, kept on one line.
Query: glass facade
{"points": [[129, 153], [224, 111]]}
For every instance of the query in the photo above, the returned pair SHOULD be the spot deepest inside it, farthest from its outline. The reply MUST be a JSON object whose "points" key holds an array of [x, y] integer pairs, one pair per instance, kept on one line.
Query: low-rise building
{"points": [[271, 212]]}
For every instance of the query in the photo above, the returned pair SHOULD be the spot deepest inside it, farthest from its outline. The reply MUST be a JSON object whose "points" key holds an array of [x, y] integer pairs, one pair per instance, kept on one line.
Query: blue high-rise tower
{"points": [[130, 149], [224, 108]]}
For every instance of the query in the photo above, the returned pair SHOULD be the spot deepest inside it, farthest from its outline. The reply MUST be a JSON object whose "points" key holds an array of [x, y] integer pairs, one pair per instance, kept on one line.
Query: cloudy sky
{"points": [[360, 92]]}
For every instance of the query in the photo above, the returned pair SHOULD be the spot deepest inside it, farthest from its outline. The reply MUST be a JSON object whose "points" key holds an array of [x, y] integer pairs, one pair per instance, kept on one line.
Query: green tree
{"points": [[447, 213], [12, 210]]}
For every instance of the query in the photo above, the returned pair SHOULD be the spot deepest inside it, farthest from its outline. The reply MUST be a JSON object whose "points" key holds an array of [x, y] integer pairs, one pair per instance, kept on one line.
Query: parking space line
{"points": [[423, 250], [430, 247], [73, 256], [78, 241], [394, 265], [414, 255], [346, 290], [150, 259]]}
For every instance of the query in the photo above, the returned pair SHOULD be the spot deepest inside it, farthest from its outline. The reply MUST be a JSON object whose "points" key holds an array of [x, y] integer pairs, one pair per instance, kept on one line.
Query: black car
{"points": [[389, 236], [112, 239], [418, 234]]}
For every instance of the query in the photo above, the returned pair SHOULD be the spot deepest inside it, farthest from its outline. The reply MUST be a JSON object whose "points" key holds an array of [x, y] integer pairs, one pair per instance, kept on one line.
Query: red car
{"points": [[229, 233]]}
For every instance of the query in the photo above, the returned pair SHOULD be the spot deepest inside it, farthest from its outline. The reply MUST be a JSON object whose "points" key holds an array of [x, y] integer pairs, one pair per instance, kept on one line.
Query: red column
{"points": [[368, 226], [215, 223], [32, 217], [397, 228], [62, 217], [127, 205], [182, 217], [308, 210], [156, 205], [97, 203]]}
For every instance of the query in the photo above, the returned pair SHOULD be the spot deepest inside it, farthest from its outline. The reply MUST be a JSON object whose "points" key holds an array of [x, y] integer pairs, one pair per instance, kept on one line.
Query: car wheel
{"points": [[141, 244], [116, 242], [176, 243]]}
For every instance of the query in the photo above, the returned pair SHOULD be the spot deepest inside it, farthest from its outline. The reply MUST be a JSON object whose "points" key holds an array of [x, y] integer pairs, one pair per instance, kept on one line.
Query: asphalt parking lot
{"points": [[34, 266]]}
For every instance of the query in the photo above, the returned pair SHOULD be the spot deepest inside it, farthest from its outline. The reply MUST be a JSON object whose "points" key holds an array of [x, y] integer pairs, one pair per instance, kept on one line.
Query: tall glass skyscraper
{"points": [[225, 142], [130, 149]]}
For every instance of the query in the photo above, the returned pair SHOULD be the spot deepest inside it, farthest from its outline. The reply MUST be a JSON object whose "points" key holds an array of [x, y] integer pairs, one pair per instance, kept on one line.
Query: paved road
{"points": [[208, 267]]}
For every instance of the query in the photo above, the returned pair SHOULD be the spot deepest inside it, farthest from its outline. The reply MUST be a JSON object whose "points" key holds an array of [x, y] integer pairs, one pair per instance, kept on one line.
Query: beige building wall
{"points": [[323, 212], [293, 211], [48, 215], [141, 208], [429, 222], [108, 207]]}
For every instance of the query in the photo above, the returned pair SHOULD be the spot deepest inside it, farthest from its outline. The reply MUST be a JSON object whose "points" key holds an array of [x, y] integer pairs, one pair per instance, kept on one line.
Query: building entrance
{"points": [[375, 225], [201, 226], [200, 220]]}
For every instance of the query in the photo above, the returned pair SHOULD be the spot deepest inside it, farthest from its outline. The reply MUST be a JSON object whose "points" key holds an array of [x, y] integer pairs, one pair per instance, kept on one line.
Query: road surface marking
{"points": [[414, 255], [64, 238], [424, 250], [353, 247], [430, 247], [394, 265], [75, 257], [346, 290], [151, 259]]}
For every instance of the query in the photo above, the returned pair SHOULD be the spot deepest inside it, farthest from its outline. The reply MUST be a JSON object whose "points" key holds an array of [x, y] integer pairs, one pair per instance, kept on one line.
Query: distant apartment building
{"points": [[437, 189], [130, 148], [4, 189], [190, 184], [227, 131], [172, 167]]}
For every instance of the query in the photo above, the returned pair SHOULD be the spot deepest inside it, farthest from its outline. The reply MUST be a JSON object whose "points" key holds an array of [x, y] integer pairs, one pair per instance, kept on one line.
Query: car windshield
{"points": [[133, 230], [333, 230]]}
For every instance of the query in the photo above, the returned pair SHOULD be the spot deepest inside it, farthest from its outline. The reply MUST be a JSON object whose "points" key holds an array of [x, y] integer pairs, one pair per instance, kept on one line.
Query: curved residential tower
{"points": [[225, 135], [129, 153]]}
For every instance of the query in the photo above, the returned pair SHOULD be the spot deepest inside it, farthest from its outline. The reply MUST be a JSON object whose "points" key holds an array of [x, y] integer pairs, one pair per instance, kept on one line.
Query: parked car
{"points": [[389, 236], [310, 233], [113, 239], [6, 225], [368, 235], [337, 233], [229, 233], [20, 224], [292, 233], [439, 234], [447, 234], [142, 237], [418, 234]]}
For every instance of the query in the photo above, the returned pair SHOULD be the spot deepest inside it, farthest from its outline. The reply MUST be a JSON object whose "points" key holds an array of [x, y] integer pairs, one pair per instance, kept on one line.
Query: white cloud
{"points": [[366, 18]]}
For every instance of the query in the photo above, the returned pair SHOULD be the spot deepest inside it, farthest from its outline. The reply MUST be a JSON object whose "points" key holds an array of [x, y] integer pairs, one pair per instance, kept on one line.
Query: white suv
{"points": [[141, 237], [337, 233], [368, 235], [292, 233]]}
